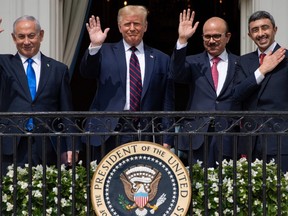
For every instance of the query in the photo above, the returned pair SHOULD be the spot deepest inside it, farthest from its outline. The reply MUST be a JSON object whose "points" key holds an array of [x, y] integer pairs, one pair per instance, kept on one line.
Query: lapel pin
{"points": [[48, 65], [151, 56]]}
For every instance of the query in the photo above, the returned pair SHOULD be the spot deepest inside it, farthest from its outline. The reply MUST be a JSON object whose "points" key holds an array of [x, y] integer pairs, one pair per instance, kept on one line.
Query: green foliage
{"points": [[50, 190], [258, 187]]}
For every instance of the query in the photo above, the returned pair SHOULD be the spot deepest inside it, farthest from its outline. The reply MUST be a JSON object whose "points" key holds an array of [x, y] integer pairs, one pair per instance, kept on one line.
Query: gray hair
{"points": [[27, 17]]}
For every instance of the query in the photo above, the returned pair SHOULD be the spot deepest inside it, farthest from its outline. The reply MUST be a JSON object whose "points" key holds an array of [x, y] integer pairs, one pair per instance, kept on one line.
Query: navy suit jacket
{"points": [[270, 95], [195, 70], [53, 94], [109, 67]]}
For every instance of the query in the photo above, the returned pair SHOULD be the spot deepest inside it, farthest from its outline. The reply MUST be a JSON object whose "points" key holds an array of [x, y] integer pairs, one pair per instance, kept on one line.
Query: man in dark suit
{"points": [[109, 64], [263, 87], [205, 95], [53, 93]]}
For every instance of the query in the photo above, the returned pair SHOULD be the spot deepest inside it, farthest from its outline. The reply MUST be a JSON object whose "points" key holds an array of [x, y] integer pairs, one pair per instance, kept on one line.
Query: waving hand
{"points": [[186, 28]]}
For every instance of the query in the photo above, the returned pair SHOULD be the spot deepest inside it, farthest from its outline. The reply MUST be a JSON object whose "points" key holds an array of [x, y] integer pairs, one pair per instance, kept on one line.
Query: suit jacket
{"points": [[270, 95], [53, 94], [195, 70], [109, 67]]}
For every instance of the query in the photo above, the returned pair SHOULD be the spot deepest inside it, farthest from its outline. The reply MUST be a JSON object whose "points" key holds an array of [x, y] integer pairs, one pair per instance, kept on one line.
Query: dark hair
{"points": [[261, 15]]}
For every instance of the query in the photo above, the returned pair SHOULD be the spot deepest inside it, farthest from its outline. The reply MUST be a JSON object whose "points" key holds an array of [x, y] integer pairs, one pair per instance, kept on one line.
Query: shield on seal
{"points": [[141, 199]]}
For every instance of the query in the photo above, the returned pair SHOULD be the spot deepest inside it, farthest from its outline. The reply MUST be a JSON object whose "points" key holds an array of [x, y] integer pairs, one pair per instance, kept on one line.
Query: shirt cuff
{"points": [[93, 50], [258, 76], [180, 46]]}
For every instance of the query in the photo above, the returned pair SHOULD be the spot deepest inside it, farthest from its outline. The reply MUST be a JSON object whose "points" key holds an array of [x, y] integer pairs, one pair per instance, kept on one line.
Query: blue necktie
{"points": [[32, 86], [135, 81]]}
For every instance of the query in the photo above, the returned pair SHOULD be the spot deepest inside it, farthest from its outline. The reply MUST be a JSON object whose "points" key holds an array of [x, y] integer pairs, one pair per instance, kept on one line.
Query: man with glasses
{"points": [[209, 76]]}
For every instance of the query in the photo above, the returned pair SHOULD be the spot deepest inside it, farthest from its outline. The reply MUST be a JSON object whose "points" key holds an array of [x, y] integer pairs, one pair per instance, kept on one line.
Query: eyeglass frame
{"points": [[216, 37]]}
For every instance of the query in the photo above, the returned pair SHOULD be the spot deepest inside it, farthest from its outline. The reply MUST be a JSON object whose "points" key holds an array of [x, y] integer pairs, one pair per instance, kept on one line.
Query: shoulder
{"points": [[49, 60], [155, 52]]}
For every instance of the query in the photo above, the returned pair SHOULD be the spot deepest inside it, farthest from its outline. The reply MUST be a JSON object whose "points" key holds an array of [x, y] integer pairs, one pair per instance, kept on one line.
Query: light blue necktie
{"points": [[32, 86]]}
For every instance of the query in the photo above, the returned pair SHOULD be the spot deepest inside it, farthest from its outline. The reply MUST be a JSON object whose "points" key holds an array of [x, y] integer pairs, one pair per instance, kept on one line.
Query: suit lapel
{"points": [[207, 72], [267, 76], [120, 59], [149, 65], [230, 74], [19, 74], [44, 73]]}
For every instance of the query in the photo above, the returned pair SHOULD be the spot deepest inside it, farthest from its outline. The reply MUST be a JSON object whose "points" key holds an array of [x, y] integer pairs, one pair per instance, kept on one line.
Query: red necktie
{"points": [[135, 81], [261, 58], [215, 71]]}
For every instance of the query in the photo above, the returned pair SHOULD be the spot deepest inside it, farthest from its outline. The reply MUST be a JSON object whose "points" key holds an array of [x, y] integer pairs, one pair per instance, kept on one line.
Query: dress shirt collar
{"points": [[270, 48], [223, 56], [36, 58], [140, 47]]}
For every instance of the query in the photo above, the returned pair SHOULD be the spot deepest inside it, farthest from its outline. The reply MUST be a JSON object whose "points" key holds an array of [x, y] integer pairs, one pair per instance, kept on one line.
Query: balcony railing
{"points": [[244, 182]]}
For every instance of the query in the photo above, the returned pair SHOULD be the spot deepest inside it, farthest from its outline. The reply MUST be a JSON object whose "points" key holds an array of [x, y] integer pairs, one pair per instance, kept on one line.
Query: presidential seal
{"points": [[141, 179]]}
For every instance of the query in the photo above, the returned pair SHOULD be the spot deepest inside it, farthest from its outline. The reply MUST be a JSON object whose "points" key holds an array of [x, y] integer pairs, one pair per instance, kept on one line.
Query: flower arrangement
{"points": [[50, 188], [198, 188], [241, 186]]}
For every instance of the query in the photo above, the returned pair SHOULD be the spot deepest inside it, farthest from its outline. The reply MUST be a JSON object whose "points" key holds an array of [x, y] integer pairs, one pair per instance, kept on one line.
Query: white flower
{"points": [[49, 211], [198, 185], [23, 184], [9, 206], [37, 193], [93, 165], [63, 202], [55, 190], [4, 198]]}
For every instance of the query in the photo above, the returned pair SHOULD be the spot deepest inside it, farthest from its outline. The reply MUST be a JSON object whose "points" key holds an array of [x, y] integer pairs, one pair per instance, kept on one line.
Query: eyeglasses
{"points": [[215, 37]]}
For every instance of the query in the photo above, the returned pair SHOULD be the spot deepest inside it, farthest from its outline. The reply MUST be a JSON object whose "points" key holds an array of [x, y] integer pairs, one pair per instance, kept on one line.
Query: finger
{"points": [[184, 15], [188, 14], [192, 16]]}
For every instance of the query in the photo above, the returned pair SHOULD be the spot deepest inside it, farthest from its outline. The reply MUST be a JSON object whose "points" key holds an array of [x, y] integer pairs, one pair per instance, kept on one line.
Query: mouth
{"points": [[262, 40]]}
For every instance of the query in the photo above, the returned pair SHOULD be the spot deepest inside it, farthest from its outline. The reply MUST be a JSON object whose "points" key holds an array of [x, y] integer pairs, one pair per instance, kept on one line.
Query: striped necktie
{"points": [[135, 81]]}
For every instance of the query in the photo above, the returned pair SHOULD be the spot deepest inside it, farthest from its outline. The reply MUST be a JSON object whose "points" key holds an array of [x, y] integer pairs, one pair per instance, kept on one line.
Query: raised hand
{"points": [[186, 28], [271, 60], [97, 36]]}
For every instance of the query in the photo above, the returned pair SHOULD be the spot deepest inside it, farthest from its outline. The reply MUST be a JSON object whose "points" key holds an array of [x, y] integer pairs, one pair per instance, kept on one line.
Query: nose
{"points": [[26, 40], [132, 26]]}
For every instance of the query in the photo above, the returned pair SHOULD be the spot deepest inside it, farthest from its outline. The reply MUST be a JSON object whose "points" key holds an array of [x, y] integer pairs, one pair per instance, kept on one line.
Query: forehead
{"points": [[132, 18], [214, 26], [24, 26], [259, 23]]}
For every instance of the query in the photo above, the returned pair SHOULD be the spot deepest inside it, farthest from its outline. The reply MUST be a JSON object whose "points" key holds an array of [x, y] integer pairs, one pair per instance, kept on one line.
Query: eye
{"points": [[31, 36]]}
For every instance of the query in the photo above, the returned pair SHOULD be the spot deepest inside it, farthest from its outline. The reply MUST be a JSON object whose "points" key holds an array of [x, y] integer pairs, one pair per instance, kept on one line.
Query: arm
{"points": [[90, 62], [246, 83], [185, 31], [272, 60]]}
